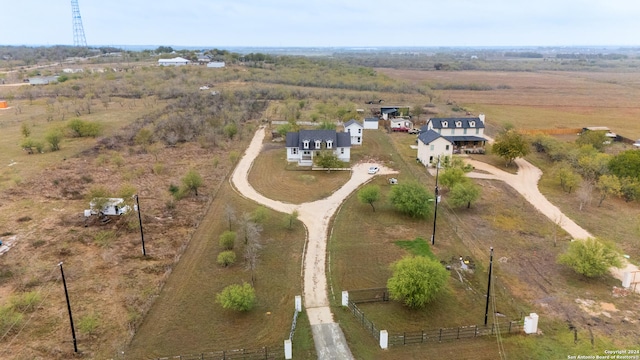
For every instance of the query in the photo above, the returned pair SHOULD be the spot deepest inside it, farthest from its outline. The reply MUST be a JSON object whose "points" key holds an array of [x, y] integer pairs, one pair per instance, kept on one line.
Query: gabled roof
{"points": [[371, 119], [427, 137], [351, 122], [389, 111], [450, 123], [341, 139], [176, 60]]}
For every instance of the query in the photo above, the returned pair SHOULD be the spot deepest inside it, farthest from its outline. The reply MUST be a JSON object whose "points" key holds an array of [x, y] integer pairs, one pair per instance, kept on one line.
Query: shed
{"points": [[216, 64], [371, 123]]}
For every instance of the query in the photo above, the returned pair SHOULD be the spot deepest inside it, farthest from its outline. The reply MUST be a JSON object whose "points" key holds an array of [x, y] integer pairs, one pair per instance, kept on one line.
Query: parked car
{"points": [[637, 144], [414, 131], [373, 170]]}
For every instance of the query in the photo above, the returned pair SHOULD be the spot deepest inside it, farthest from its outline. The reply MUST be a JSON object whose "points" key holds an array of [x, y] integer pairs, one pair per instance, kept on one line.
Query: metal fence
{"points": [[459, 333], [423, 336], [266, 353]]}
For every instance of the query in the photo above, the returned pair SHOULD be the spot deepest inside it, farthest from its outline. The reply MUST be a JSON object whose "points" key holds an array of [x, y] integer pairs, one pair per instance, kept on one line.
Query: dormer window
{"points": [[318, 144], [458, 123], [329, 144], [305, 144], [472, 123], [445, 124]]}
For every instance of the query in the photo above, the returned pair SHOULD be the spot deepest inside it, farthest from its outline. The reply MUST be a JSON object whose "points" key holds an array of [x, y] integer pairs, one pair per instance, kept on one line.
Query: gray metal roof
{"points": [[450, 123], [341, 139], [371, 119], [351, 122], [428, 137]]}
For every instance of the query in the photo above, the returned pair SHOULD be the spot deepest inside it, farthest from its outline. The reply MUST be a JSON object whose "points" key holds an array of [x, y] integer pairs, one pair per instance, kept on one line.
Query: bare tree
{"points": [[252, 248], [584, 194], [558, 221], [230, 214]]}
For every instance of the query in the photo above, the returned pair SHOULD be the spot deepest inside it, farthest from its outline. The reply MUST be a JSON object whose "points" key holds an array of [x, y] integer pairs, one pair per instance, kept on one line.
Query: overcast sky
{"points": [[357, 23]]}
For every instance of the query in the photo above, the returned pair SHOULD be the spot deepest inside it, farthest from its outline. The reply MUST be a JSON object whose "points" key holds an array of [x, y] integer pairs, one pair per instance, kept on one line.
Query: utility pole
{"points": [[486, 308], [144, 252], [66, 294], [435, 213]]}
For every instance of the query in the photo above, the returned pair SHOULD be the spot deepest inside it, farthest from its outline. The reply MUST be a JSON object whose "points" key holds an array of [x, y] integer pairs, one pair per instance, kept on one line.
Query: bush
{"points": [[590, 257], [88, 324], [237, 297], [10, 320], [25, 302], [226, 258], [228, 239], [411, 199], [416, 281], [81, 128]]}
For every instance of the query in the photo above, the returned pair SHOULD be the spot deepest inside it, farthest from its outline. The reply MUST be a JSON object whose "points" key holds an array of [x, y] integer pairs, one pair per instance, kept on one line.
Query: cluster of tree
{"points": [[462, 191], [54, 136], [585, 166]]}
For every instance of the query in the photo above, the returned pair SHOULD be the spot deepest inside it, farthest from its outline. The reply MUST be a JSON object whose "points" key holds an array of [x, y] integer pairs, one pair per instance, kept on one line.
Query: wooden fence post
{"points": [[440, 336]]}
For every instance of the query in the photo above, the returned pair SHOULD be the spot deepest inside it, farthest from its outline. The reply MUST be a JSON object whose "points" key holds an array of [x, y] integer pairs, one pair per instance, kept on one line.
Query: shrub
{"points": [[88, 324], [226, 258], [237, 297], [81, 128], [228, 239], [10, 320], [25, 302], [590, 257], [416, 281]]}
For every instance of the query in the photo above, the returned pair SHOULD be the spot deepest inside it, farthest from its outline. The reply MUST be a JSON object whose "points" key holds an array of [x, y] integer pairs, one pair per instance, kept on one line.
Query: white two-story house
{"points": [[303, 145], [355, 130], [448, 136]]}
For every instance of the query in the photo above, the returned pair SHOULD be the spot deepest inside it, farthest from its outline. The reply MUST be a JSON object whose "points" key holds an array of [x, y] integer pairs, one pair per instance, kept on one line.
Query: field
{"points": [[164, 304]]}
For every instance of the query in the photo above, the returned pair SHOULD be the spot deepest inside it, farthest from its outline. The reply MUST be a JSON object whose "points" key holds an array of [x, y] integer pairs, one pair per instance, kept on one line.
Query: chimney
{"points": [[481, 117]]}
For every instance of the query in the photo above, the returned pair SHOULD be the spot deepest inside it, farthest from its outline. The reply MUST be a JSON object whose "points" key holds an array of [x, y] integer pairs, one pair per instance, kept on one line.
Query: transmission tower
{"points": [[78, 30]]}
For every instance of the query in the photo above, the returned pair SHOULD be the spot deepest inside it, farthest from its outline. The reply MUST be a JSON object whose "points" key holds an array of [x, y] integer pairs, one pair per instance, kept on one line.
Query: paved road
{"points": [[327, 335]]}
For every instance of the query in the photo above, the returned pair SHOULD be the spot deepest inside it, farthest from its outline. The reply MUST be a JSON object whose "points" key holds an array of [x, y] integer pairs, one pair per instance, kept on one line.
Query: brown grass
{"points": [[271, 176]]}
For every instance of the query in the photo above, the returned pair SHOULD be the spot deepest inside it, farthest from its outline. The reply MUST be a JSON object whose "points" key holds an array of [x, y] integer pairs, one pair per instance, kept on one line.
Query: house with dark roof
{"points": [[431, 145], [465, 135], [303, 145], [355, 130]]}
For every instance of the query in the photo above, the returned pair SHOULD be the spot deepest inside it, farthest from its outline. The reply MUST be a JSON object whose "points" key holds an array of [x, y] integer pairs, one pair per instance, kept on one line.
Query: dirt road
{"points": [[327, 335], [526, 183]]}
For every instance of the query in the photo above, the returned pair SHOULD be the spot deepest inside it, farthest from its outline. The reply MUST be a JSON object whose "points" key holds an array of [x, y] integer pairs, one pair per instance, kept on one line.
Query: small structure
{"points": [[3, 105], [400, 124], [216, 64], [204, 58], [371, 123], [107, 206], [177, 61], [43, 80], [603, 129], [354, 128]]}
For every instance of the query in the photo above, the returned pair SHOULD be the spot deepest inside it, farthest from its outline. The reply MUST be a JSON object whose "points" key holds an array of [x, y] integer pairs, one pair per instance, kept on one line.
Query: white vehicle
{"points": [[373, 170], [637, 144], [204, 87]]}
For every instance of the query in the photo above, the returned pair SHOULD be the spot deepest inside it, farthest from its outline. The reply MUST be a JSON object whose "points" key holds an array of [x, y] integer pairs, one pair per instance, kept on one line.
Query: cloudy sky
{"points": [[358, 23]]}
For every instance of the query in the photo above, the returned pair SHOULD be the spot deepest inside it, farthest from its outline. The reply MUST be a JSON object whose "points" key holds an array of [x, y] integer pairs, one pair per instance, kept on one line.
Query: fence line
{"points": [[265, 353], [423, 336], [550, 131]]}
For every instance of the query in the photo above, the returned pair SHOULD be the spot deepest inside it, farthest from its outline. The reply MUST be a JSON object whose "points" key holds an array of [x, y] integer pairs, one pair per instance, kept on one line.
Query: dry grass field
{"points": [[543, 100]]}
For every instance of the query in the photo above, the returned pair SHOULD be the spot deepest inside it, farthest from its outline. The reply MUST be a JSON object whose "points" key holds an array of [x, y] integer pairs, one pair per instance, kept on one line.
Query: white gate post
{"points": [[288, 354], [298, 303], [384, 339], [531, 324], [345, 298], [626, 280]]}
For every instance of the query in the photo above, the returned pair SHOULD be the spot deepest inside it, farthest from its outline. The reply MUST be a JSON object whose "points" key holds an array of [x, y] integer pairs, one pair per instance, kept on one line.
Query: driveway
{"points": [[327, 335], [526, 183]]}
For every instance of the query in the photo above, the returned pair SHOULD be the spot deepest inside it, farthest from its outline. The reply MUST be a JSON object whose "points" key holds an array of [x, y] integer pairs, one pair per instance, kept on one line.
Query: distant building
{"points": [[178, 61], [371, 123], [43, 80], [216, 64]]}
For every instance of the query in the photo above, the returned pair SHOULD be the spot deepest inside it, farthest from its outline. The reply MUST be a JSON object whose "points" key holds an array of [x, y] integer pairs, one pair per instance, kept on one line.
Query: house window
{"points": [[359, 131], [431, 147], [329, 144], [458, 123], [305, 144], [446, 147], [453, 131], [445, 124], [342, 151], [306, 152], [359, 140], [294, 151], [472, 123], [477, 131], [318, 144]]}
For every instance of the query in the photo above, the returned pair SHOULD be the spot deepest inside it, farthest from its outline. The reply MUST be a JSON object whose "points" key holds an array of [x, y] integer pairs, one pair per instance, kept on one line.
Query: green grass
{"points": [[418, 247]]}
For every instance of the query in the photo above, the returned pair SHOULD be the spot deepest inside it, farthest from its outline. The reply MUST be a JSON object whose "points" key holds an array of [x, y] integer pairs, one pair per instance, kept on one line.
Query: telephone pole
{"points": [[66, 294]]}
